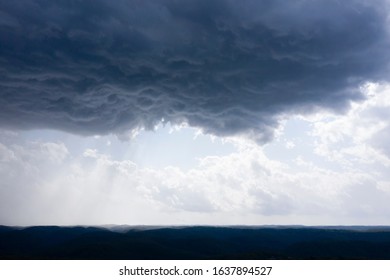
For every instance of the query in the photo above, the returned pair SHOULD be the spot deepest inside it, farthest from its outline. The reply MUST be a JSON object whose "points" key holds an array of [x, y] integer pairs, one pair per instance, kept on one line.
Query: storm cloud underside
{"points": [[98, 67]]}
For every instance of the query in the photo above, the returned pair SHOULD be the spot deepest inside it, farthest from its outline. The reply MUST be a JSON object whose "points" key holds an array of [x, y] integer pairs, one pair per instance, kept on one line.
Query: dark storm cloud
{"points": [[228, 67]]}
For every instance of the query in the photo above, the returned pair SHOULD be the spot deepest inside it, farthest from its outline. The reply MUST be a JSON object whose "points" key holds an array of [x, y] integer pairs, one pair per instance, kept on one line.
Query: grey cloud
{"points": [[380, 141], [227, 67], [272, 204]]}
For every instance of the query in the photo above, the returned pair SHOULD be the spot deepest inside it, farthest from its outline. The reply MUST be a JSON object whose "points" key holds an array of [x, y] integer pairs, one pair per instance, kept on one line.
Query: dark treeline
{"points": [[197, 242]]}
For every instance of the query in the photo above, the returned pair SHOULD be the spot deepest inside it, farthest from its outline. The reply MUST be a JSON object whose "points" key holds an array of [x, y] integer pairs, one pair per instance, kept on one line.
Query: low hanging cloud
{"points": [[226, 67], [46, 183]]}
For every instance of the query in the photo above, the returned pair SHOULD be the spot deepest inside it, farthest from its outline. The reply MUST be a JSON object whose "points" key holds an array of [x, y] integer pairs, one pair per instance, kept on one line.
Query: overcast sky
{"points": [[194, 112]]}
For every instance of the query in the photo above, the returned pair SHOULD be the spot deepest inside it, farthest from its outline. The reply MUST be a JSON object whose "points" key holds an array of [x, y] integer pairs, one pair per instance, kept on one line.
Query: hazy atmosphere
{"points": [[194, 112]]}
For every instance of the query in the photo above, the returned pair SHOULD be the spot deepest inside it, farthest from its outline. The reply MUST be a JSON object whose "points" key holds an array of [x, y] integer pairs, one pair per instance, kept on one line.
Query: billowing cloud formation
{"points": [[227, 67], [335, 172]]}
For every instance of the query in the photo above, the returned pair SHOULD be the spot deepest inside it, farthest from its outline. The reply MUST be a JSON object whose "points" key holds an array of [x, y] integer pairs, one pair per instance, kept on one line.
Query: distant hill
{"points": [[194, 242]]}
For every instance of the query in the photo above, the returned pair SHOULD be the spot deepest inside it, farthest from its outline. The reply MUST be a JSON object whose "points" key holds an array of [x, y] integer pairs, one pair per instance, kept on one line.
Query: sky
{"points": [[194, 112]]}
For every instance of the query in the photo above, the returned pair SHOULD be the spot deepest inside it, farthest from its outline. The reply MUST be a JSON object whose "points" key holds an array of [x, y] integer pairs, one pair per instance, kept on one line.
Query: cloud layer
{"points": [[336, 172], [227, 67]]}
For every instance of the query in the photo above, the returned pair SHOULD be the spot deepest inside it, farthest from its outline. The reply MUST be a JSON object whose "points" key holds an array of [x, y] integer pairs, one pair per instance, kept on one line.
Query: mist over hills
{"points": [[194, 242]]}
